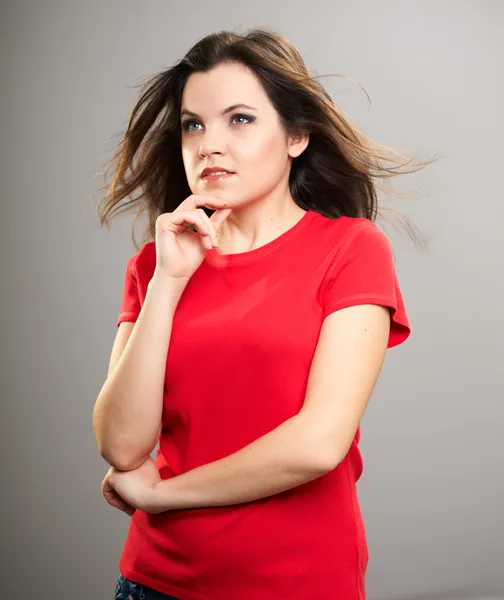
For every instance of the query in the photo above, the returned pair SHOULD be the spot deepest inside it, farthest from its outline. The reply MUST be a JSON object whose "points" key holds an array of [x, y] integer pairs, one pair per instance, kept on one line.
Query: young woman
{"points": [[254, 323]]}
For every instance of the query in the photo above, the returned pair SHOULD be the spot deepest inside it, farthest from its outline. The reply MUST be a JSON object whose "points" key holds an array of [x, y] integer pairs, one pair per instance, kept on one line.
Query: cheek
{"points": [[191, 167], [265, 154], [187, 158]]}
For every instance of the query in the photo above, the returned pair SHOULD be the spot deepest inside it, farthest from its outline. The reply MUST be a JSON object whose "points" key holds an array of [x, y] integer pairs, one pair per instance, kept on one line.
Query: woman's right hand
{"points": [[179, 251]]}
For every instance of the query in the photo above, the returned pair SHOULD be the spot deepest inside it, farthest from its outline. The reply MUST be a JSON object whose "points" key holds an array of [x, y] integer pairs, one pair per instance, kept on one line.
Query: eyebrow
{"points": [[185, 111]]}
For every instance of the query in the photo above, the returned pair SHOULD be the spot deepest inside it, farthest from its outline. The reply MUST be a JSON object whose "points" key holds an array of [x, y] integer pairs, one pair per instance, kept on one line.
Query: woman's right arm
{"points": [[128, 411]]}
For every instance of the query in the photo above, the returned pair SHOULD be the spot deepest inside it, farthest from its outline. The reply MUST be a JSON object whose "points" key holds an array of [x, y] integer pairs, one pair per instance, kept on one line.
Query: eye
{"points": [[249, 118], [186, 125]]}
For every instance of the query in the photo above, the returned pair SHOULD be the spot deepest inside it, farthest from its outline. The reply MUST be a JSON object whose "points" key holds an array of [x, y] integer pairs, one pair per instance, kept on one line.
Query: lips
{"points": [[215, 170]]}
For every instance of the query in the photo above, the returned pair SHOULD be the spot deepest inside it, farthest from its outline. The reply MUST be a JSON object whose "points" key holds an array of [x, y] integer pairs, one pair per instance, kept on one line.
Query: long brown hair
{"points": [[337, 174]]}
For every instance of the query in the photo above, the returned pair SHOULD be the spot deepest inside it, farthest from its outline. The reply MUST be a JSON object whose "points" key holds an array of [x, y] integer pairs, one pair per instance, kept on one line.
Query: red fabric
{"points": [[243, 337]]}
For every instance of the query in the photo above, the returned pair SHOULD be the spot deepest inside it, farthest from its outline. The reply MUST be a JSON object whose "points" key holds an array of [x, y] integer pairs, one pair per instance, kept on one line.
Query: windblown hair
{"points": [[338, 174]]}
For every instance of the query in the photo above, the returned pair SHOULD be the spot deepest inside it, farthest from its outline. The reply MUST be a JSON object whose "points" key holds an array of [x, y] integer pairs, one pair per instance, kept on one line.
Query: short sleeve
{"points": [[130, 304], [363, 272]]}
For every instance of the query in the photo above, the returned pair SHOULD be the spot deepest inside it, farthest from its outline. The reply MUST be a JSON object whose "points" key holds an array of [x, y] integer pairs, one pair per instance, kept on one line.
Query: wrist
{"points": [[157, 501], [167, 287], [161, 279]]}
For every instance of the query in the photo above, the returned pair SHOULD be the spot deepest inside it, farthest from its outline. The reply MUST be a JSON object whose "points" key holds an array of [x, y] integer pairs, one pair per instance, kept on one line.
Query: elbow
{"points": [[327, 458], [116, 452], [122, 461], [323, 448], [121, 457], [325, 464], [318, 461]]}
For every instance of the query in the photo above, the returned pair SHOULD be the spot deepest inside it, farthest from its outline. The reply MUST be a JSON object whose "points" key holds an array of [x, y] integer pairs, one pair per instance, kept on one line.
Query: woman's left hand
{"points": [[136, 487]]}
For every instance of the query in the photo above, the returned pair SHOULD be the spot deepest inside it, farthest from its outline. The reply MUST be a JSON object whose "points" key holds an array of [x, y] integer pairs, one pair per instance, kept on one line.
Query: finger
{"points": [[210, 226], [179, 221], [112, 498], [106, 487], [116, 501], [123, 507], [197, 201], [218, 218], [110, 494]]}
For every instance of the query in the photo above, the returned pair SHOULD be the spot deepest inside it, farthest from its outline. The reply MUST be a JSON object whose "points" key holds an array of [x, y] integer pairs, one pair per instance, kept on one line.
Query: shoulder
{"points": [[351, 233], [349, 227], [143, 263]]}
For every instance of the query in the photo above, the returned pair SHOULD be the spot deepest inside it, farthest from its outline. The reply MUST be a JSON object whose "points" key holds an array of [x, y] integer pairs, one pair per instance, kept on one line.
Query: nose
{"points": [[211, 144], [207, 149]]}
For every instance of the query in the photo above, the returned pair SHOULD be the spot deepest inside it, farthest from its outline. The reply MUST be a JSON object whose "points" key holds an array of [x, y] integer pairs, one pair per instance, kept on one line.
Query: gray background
{"points": [[432, 437]]}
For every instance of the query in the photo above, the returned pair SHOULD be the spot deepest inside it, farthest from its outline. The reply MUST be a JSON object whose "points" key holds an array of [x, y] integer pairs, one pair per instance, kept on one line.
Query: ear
{"points": [[297, 144]]}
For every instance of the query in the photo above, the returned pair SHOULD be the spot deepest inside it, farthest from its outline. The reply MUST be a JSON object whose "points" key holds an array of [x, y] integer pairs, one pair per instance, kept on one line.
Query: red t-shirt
{"points": [[243, 338]]}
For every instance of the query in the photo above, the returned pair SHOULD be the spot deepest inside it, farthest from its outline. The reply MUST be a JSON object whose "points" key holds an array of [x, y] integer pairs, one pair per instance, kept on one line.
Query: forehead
{"points": [[224, 85]]}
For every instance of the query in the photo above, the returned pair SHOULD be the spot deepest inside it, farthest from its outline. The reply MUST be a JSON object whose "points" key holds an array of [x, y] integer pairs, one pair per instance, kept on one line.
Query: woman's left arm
{"points": [[345, 368]]}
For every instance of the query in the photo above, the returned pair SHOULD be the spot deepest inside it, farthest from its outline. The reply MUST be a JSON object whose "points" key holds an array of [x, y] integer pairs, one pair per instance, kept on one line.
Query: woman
{"points": [[253, 327]]}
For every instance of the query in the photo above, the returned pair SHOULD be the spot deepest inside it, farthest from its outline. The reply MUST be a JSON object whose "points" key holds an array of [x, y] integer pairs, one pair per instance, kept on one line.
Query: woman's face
{"points": [[248, 141]]}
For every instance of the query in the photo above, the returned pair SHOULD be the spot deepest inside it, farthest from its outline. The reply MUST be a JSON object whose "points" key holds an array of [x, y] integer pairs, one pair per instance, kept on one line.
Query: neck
{"points": [[256, 224]]}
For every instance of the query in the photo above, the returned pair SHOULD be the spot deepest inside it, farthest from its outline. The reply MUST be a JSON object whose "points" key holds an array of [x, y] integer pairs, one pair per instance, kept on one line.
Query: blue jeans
{"points": [[129, 590]]}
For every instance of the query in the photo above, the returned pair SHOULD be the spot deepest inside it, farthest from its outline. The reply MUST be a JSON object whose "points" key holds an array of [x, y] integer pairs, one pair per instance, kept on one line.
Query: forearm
{"points": [[127, 412], [280, 460]]}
